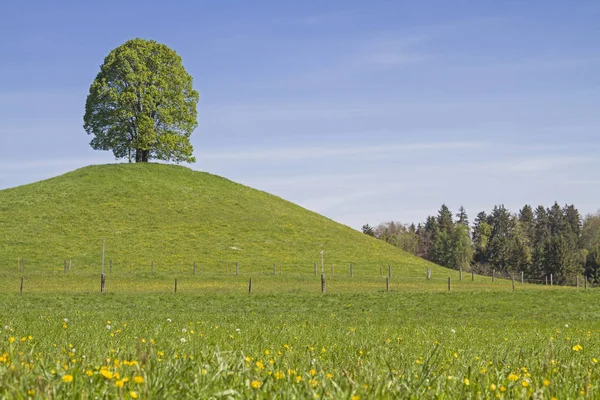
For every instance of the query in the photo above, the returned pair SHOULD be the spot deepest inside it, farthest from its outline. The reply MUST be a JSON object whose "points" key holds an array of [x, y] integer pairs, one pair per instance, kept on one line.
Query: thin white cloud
{"points": [[300, 153]]}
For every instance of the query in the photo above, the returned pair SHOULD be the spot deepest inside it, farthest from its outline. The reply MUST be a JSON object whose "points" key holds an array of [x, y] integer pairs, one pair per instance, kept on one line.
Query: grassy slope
{"points": [[174, 216]]}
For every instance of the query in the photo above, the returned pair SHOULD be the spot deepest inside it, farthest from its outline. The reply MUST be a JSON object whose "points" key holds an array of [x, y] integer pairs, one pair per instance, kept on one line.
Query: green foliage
{"points": [[142, 101], [173, 216]]}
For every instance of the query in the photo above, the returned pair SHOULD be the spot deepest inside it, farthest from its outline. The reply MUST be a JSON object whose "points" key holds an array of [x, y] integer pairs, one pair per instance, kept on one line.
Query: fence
{"points": [[381, 278]]}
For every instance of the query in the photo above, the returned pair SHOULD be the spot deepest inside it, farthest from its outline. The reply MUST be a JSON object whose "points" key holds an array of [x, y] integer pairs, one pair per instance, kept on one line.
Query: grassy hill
{"points": [[174, 216]]}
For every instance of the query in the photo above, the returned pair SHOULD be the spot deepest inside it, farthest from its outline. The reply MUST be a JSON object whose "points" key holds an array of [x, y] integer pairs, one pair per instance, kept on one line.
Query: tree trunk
{"points": [[142, 155]]}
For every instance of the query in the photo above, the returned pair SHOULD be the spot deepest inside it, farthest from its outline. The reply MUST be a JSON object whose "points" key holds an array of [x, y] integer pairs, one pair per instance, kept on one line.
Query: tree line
{"points": [[538, 242]]}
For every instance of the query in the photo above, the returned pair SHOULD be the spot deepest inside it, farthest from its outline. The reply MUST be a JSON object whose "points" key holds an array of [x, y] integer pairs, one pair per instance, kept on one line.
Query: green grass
{"points": [[61, 338], [353, 341], [173, 216]]}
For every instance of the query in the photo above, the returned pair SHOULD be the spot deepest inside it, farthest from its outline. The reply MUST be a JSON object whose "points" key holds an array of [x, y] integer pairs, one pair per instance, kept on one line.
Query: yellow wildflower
{"points": [[546, 382], [577, 347], [31, 392], [298, 378], [89, 372], [513, 377], [11, 339], [133, 394], [492, 387], [106, 373], [313, 372], [466, 381], [119, 383], [524, 383], [255, 384], [67, 378], [138, 379], [502, 389]]}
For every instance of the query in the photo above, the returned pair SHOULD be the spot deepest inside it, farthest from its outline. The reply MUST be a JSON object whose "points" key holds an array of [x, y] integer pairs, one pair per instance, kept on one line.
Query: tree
{"points": [[368, 230], [444, 220], [142, 102], [462, 217], [482, 231]]}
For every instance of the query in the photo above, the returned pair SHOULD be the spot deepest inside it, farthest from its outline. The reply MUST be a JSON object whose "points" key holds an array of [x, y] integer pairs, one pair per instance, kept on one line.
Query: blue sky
{"points": [[361, 111]]}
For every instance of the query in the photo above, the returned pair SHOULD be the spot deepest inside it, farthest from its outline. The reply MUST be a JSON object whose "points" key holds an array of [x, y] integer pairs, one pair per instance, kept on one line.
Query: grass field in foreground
{"points": [[287, 340]]}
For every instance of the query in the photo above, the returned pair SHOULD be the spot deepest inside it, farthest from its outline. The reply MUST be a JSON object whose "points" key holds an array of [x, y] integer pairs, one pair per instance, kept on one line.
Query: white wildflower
{"points": [[108, 327], [183, 340]]}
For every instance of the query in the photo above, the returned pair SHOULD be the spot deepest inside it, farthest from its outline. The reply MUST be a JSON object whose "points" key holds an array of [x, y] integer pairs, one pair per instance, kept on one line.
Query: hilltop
{"points": [[173, 216]]}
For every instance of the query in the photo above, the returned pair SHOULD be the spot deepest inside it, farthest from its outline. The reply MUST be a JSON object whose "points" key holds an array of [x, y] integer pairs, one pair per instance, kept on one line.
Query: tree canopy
{"points": [[142, 105]]}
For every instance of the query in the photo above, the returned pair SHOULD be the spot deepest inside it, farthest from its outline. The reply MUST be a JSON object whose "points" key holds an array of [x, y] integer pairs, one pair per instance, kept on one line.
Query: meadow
{"points": [[62, 338]]}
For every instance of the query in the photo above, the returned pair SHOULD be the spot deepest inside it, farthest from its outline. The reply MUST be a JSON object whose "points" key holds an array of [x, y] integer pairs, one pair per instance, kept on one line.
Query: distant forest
{"points": [[540, 242]]}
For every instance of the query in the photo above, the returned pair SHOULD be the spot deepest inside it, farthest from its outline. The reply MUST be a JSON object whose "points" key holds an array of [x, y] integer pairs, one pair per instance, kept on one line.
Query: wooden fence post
{"points": [[521, 277], [472, 275], [102, 282], [546, 281], [103, 241], [65, 266], [585, 282], [70, 264], [21, 289], [513, 282], [237, 268], [493, 275], [428, 273], [576, 280], [322, 283], [175, 286], [387, 284], [550, 279], [332, 269], [315, 268], [250, 286], [448, 283]]}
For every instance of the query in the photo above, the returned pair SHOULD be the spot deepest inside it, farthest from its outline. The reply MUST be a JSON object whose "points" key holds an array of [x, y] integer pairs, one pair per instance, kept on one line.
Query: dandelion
{"points": [[6, 327], [566, 325], [256, 384], [594, 360], [89, 372], [577, 347], [67, 378], [502, 389], [279, 375], [453, 330], [31, 392], [260, 365], [355, 397], [298, 378], [238, 330], [138, 379], [493, 387], [119, 384], [106, 373], [313, 372], [546, 382], [11, 339], [108, 327], [65, 320], [524, 383], [513, 377], [133, 394], [466, 381], [184, 330], [182, 340]]}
